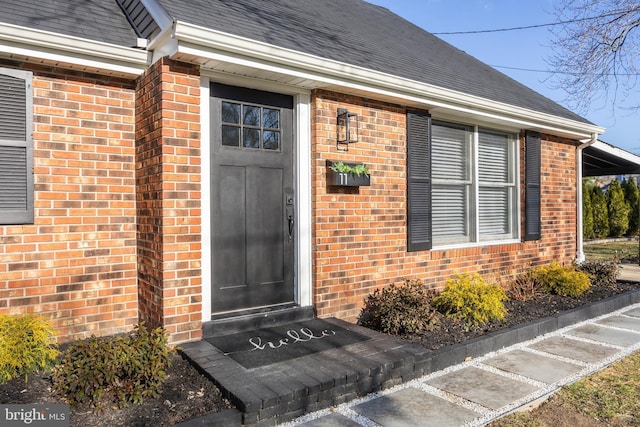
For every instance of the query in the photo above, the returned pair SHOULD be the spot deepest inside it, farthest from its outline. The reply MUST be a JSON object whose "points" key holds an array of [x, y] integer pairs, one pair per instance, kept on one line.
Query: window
{"points": [[473, 180], [16, 151]]}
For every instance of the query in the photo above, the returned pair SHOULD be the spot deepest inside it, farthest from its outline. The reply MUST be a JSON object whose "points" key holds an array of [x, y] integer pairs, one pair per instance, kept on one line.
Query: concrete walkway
{"points": [[480, 390]]}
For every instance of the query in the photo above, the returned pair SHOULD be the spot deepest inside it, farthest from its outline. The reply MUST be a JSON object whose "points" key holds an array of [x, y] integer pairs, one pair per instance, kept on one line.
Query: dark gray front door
{"points": [[252, 198]]}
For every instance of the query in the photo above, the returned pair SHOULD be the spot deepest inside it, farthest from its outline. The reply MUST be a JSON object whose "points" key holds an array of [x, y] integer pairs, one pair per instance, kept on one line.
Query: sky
{"points": [[528, 49]]}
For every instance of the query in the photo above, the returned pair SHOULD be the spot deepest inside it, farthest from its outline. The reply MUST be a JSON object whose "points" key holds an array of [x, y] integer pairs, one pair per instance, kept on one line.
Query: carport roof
{"points": [[601, 159]]}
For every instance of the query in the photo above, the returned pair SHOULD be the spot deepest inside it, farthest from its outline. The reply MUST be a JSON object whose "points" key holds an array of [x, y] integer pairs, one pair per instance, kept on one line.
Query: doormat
{"points": [[280, 343]]}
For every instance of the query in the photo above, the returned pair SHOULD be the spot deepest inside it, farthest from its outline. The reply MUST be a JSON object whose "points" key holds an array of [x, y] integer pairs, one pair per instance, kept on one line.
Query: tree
{"points": [[587, 213], [618, 209], [600, 213], [631, 197], [596, 53]]}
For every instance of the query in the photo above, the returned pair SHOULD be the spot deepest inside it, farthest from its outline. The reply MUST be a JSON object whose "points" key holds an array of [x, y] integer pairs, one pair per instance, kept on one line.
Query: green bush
{"points": [[124, 369], [565, 281], [602, 273], [400, 309], [631, 197], [587, 212], [27, 345], [600, 213], [618, 209], [470, 299]]}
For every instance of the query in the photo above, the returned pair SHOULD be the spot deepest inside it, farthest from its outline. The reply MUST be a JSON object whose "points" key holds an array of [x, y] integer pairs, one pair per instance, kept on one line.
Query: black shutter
{"points": [[16, 152], [532, 186], [418, 181]]}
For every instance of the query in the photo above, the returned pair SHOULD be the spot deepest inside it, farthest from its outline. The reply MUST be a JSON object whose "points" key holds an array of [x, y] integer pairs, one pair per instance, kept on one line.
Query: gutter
{"points": [[580, 257]]}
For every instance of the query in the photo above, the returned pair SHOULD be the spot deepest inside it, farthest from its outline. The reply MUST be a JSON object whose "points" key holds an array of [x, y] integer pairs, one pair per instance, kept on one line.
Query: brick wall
{"points": [[359, 234], [77, 263], [168, 194]]}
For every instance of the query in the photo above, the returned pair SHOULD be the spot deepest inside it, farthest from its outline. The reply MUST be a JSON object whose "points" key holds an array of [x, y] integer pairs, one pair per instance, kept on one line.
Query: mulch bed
{"points": [[450, 332], [187, 394]]}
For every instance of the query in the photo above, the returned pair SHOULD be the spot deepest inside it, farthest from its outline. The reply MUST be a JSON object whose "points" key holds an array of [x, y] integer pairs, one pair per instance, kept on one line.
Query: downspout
{"points": [[579, 232]]}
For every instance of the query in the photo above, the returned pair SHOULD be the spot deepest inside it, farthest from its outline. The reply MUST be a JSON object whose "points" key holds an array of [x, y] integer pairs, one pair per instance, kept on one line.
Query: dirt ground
{"points": [[186, 394]]}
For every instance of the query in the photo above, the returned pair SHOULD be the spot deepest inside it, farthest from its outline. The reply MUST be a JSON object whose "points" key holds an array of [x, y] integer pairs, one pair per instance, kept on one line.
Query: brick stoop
{"points": [[280, 392]]}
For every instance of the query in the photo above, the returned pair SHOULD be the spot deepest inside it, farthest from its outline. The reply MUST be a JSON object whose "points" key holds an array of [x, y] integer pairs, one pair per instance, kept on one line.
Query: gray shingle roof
{"points": [[365, 35], [98, 20]]}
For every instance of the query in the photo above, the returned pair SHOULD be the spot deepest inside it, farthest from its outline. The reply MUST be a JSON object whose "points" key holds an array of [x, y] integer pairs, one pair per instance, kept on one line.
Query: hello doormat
{"points": [[280, 343]]}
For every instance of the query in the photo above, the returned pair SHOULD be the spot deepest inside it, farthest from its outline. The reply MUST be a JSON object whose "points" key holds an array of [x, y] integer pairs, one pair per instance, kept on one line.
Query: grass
{"points": [[624, 250], [609, 394], [608, 398]]}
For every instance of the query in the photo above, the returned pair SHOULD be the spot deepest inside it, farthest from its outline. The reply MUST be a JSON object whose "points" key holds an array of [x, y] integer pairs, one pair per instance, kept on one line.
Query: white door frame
{"points": [[302, 179]]}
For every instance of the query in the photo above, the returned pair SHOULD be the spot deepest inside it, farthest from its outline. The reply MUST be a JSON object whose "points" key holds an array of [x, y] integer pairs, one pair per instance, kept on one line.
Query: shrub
{"points": [[564, 281], [600, 213], [125, 368], [26, 345], [400, 309], [631, 197], [470, 299], [524, 286], [602, 273], [618, 209], [587, 212]]}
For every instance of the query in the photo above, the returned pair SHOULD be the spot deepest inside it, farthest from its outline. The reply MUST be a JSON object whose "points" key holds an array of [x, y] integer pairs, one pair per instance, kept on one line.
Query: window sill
{"points": [[476, 245]]}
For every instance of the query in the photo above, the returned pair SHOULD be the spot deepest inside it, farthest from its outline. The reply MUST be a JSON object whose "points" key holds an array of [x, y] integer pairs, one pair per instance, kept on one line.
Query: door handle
{"points": [[291, 220]]}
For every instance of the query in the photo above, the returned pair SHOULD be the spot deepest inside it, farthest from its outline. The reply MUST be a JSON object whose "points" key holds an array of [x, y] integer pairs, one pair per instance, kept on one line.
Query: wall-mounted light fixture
{"points": [[347, 128]]}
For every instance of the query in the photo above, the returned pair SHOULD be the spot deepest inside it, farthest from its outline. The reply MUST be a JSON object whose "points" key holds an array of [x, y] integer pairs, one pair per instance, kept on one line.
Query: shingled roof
{"points": [[364, 35], [97, 20], [353, 32]]}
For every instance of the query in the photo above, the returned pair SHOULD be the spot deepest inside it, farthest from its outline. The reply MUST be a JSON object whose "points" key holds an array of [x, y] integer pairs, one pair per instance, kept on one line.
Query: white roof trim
{"points": [[44, 46], [618, 152], [206, 43]]}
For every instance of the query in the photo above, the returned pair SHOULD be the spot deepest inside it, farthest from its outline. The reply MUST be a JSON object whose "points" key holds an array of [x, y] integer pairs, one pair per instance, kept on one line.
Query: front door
{"points": [[252, 199]]}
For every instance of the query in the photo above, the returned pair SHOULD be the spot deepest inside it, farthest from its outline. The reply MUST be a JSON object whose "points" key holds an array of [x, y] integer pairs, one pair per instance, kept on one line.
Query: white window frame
{"points": [[472, 215]]}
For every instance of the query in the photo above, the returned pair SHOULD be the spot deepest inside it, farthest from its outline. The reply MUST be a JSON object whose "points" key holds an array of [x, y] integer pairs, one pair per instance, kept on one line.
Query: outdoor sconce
{"points": [[347, 128]]}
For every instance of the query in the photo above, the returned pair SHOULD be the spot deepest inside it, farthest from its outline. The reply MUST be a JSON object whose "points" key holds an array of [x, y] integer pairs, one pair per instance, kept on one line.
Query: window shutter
{"points": [[16, 152], [418, 181], [532, 186]]}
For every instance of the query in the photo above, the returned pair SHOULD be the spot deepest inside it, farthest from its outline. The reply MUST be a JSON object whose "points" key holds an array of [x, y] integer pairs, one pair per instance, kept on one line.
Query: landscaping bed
{"points": [[449, 332], [186, 394]]}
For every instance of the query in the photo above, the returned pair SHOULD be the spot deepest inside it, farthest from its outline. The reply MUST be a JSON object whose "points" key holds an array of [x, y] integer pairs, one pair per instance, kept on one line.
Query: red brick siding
{"points": [[77, 264], [359, 234], [168, 193]]}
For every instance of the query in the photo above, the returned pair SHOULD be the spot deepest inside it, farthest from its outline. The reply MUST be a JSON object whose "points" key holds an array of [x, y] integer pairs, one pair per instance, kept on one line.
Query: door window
{"points": [[250, 126]]}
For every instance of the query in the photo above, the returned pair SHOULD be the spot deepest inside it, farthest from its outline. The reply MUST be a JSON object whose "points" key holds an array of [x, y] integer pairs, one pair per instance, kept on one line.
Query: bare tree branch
{"points": [[597, 61]]}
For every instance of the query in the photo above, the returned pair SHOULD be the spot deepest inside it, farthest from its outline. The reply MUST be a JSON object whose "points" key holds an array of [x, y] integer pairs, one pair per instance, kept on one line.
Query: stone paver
{"points": [[482, 387], [573, 349], [411, 407], [606, 335], [635, 312], [534, 366], [623, 322]]}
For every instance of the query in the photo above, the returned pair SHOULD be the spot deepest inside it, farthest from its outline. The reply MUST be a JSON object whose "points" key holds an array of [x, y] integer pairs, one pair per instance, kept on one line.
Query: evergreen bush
{"points": [[600, 213], [470, 299], [27, 345], [618, 209], [631, 196], [402, 309], [564, 281], [123, 369], [587, 213]]}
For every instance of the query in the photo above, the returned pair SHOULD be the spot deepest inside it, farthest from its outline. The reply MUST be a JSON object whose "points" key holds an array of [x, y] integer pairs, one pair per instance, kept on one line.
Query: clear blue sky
{"points": [[519, 49]]}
